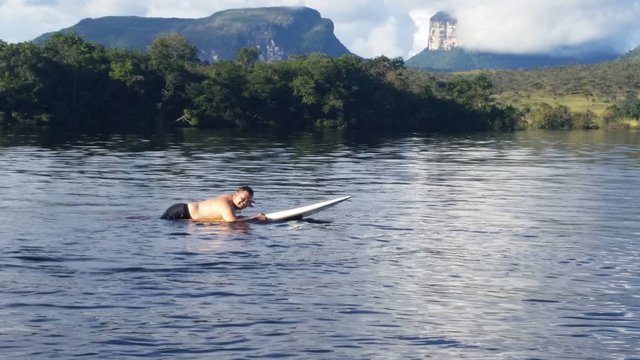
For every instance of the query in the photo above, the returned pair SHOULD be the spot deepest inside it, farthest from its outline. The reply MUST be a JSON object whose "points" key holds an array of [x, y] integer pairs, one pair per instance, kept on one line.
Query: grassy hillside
{"points": [[580, 87], [584, 87], [607, 89]]}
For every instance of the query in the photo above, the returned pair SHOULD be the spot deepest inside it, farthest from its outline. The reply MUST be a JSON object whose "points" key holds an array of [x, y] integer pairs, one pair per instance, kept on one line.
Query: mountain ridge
{"points": [[278, 32], [282, 31], [459, 59]]}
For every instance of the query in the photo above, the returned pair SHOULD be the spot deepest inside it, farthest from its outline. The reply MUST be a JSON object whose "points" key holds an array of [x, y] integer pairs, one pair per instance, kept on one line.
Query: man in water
{"points": [[221, 208]]}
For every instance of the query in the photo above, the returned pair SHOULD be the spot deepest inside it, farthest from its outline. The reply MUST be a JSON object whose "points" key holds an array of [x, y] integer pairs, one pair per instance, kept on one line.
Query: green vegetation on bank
{"points": [[607, 92], [69, 83], [602, 95], [72, 84]]}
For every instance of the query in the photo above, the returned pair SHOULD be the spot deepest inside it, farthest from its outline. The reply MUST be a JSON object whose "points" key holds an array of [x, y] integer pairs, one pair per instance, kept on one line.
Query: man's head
{"points": [[243, 197]]}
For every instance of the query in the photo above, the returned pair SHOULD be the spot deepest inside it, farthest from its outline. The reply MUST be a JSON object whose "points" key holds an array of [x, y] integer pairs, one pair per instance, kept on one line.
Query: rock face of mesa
{"points": [[277, 32], [442, 32]]}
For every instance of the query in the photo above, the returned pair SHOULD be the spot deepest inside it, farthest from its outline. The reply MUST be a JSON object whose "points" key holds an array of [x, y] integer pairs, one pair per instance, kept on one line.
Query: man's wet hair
{"points": [[245, 188]]}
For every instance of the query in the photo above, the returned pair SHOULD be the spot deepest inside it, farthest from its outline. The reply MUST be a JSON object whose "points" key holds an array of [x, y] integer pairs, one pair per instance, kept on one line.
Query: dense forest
{"points": [[69, 83]]}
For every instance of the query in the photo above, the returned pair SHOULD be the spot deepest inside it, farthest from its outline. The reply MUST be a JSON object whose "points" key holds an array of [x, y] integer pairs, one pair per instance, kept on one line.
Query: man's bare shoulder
{"points": [[222, 199], [216, 208]]}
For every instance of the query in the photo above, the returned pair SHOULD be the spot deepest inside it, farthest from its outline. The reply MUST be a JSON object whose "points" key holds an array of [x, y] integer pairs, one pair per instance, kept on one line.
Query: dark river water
{"points": [[512, 246]]}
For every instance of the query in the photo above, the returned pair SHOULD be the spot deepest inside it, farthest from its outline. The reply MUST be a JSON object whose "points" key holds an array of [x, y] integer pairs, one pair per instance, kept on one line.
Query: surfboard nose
{"points": [[300, 212]]}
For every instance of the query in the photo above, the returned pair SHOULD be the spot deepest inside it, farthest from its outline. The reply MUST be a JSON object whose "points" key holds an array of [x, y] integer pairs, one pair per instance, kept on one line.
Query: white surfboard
{"points": [[300, 212]]}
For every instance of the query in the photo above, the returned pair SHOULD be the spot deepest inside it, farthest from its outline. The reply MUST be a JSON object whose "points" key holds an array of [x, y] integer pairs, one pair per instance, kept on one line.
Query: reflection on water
{"points": [[521, 245]]}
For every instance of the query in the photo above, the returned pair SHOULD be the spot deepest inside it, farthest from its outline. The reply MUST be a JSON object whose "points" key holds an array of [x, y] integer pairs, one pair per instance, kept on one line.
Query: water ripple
{"points": [[509, 246]]}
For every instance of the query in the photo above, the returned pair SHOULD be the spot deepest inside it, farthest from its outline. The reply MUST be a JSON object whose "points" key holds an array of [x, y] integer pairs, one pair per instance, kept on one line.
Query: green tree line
{"points": [[69, 83]]}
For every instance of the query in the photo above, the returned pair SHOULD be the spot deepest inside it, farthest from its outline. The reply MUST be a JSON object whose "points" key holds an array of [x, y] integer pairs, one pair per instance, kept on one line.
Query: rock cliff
{"points": [[442, 32]]}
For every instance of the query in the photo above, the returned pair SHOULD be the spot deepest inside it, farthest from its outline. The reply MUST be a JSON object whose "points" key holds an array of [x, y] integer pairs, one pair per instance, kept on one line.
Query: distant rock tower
{"points": [[442, 32]]}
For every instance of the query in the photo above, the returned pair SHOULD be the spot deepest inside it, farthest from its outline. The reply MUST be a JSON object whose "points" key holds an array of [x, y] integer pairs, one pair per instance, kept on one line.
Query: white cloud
{"points": [[24, 20], [521, 26], [98, 8], [375, 27], [381, 41], [420, 18]]}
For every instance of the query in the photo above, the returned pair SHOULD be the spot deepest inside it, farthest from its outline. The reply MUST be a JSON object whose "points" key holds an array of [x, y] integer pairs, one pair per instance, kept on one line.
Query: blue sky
{"points": [[377, 27]]}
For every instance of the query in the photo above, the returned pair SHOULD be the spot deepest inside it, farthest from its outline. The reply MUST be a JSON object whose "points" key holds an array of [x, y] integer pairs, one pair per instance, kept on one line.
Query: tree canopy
{"points": [[70, 83]]}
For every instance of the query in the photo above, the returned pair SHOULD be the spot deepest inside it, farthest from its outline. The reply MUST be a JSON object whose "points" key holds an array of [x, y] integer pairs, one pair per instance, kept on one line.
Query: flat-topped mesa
{"points": [[277, 32]]}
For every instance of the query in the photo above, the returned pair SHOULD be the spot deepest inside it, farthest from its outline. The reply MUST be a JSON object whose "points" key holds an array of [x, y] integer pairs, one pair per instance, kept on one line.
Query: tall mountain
{"points": [[278, 32], [445, 53]]}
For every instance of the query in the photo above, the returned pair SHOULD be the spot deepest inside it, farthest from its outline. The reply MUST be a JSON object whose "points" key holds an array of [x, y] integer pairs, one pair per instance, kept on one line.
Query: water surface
{"points": [[507, 246]]}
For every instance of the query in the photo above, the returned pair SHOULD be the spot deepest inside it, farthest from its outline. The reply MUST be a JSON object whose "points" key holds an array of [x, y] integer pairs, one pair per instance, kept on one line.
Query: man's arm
{"points": [[258, 217], [229, 215]]}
